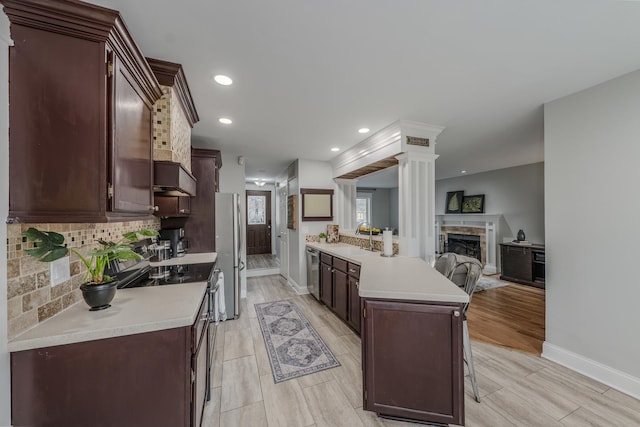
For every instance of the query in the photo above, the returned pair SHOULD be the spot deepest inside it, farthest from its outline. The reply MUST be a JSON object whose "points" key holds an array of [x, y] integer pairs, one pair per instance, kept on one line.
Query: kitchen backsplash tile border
{"points": [[355, 241], [30, 297]]}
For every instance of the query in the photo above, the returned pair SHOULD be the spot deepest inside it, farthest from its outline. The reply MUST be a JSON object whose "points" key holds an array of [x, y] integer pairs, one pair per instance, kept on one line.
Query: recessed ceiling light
{"points": [[223, 80], [363, 130], [335, 149], [463, 171], [225, 120]]}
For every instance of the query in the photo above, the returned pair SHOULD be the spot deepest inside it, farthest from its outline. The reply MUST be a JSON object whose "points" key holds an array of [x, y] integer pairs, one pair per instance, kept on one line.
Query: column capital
{"points": [[412, 155]]}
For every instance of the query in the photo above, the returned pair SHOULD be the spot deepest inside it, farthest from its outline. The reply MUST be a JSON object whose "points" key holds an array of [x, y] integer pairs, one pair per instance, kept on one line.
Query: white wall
{"points": [[311, 174], [517, 193], [5, 392], [232, 178], [592, 149], [272, 189]]}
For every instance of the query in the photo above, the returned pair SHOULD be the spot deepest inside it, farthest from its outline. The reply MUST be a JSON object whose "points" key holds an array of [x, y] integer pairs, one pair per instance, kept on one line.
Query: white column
{"points": [[345, 199], [416, 173]]}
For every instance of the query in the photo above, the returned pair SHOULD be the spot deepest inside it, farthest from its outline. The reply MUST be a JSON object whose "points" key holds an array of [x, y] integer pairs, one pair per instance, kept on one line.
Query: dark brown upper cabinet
{"points": [[317, 204], [81, 95]]}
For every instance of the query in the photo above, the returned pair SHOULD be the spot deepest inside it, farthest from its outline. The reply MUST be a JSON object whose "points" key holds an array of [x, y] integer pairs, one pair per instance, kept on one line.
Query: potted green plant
{"points": [[100, 288], [323, 237]]}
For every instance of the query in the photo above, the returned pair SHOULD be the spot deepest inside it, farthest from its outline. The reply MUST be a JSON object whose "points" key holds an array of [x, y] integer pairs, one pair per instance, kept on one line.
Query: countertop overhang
{"points": [[397, 277]]}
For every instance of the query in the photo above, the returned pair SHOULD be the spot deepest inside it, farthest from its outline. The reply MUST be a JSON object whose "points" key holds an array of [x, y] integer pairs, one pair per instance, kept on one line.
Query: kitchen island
{"points": [[141, 362], [411, 331]]}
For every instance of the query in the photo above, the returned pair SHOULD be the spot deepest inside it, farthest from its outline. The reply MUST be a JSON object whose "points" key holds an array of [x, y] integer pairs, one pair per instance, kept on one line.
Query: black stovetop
{"points": [[172, 275]]}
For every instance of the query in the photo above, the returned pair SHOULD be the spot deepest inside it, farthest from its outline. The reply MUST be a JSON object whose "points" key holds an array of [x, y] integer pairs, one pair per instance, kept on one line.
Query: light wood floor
{"points": [[510, 316], [517, 389], [262, 261]]}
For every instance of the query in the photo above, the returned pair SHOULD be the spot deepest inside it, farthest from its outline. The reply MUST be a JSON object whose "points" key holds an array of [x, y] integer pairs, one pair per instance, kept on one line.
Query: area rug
{"points": [[293, 345], [488, 283]]}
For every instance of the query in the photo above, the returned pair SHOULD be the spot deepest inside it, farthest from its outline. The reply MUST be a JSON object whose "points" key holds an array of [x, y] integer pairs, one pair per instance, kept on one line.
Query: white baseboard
{"points": [[612, 377], [300, 290], [257, 272]]}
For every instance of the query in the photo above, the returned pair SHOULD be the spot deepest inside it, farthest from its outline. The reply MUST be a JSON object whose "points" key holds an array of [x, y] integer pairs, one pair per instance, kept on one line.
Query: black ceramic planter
{"points": [[98, 297]]}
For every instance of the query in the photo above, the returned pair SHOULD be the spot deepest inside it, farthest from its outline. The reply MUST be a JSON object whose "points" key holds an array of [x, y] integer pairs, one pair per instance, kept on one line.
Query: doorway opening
{"points": [[260, 257]]}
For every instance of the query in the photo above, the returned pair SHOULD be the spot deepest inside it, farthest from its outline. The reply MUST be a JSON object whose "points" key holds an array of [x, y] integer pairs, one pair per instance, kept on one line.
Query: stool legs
{"points": [[468, 358]]}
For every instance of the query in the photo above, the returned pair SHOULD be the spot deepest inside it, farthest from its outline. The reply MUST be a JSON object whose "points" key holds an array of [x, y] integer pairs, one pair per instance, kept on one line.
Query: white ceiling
{"points": [[308, 74]]}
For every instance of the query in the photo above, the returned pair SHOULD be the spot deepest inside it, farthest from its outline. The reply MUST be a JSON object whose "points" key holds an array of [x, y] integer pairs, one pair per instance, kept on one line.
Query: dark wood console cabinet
{"points": [[523, 264], [143, 380], [80, 115], [412, 360]]}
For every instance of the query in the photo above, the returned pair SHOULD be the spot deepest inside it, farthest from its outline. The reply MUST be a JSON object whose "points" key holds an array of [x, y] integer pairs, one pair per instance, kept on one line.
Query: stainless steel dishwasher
{"points": [[313, 272]]}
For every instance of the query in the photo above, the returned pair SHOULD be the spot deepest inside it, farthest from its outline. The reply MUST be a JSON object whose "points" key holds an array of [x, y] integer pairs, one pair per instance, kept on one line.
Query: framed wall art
{"points": [[317, 204], [473, 204], [454, 202]]}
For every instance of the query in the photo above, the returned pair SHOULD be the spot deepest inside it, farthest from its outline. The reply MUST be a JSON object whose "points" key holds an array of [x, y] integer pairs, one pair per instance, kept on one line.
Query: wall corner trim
{"points": [[612, 377]]}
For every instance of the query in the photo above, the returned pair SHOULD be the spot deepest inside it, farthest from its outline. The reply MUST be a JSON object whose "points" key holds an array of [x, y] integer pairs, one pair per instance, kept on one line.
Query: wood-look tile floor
{"points": [[262, 261], [517, 389]]}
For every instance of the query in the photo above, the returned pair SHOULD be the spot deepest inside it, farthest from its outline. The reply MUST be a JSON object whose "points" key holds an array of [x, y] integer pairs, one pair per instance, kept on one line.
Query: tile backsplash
{"points": [[355, 241], [171, 130], [30, 297]]}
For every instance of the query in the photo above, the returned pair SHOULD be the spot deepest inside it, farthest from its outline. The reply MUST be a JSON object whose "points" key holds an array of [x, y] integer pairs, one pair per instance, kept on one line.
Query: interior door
{"points": [[283, 236], [258, 222]]}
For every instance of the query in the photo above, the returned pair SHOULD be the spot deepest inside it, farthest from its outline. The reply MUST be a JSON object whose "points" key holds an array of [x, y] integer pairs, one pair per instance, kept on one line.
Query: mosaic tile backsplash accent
{"points": [[171, 130], [355, 241], [30, 297]]}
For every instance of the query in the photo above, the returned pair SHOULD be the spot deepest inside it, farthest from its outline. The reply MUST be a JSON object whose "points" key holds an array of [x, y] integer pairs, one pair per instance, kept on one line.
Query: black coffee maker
{"points": [[175, 236]]}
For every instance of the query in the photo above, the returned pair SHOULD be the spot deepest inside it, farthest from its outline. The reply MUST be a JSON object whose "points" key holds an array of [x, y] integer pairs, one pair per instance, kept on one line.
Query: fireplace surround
{"points": [[485, 228]]}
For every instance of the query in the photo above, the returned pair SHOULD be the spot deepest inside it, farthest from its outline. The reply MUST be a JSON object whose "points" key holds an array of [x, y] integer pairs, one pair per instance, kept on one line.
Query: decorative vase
{"points": [[98, 297], [520, 236], [323, 240]]}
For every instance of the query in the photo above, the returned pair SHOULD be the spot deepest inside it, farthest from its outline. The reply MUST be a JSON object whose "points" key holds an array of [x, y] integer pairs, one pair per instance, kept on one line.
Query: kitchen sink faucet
{"points": [[363, 224]]}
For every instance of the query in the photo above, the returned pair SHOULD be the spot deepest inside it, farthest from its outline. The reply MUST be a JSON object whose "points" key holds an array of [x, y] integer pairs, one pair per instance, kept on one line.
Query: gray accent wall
{"points": [[516, 192], [592, 149]]}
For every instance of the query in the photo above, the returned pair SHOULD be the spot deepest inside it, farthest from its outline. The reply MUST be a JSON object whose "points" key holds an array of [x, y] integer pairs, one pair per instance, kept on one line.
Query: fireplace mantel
{"points": [[489, 222]]}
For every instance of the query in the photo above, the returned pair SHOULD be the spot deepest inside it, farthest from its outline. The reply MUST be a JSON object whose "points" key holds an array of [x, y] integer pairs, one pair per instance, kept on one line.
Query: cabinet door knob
{"points": [[154, 208], [183, 210], [352, 270], [358, 285], [328, 268], [456, 313]]}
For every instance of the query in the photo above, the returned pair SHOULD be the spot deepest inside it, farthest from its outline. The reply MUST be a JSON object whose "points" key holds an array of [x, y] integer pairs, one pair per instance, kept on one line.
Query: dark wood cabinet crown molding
{"points": [[171, 74], [89, 22]]}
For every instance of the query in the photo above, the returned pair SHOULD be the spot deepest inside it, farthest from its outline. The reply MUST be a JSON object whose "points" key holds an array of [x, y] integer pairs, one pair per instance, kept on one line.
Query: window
{"points": [[363, 208], [256, 210]]}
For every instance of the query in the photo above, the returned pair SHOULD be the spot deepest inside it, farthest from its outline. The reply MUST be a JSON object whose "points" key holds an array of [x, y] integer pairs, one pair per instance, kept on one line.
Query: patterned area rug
{"points": [[294, 347], [488, 283]]}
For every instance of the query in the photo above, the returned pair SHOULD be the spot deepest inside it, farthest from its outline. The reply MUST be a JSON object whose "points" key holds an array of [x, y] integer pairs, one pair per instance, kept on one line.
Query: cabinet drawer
{"points": [[354, 270], [326, 258], [172, 206], [340, 264], [200, 323]]}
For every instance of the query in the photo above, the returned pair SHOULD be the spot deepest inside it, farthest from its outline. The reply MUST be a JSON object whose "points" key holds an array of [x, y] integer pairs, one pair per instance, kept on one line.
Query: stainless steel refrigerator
{"points": [[229, 245]]}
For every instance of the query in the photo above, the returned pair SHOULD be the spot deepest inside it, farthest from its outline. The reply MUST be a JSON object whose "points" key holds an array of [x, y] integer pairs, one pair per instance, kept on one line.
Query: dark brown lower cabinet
{"points": [[412, 360], [151, 379], [341, 293], [326, 284], [355, 313]]}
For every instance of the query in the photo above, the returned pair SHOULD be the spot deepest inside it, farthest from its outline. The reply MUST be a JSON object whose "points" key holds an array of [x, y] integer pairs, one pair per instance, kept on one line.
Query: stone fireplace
{"points": [[474, 235]]}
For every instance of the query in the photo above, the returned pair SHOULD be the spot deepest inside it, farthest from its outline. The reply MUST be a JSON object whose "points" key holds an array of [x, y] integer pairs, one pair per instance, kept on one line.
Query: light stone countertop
{"points": [[200, 258], [397, 277], [132, 311]]}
